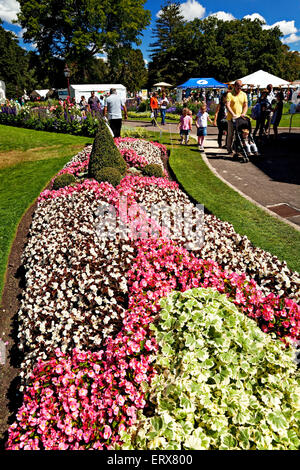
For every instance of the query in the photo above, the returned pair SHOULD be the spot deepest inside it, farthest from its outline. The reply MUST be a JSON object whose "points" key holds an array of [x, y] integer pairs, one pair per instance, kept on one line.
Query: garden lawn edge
{"points": [[204, 187], [9, 306]]}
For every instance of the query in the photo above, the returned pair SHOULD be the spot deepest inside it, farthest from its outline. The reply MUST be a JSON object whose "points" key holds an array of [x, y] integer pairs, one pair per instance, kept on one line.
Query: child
{"points": [[185, 125], [201, 124], [248, 145], [190, 114]]}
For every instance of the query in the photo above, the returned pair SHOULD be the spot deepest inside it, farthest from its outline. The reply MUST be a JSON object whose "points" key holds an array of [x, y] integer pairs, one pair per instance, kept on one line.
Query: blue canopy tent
{"points": [[202, 83]]}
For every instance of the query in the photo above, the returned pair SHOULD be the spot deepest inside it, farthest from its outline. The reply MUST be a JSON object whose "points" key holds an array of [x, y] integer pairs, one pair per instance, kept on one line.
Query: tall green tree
{"points": [[77, 30], [15, 69], [290, 64], [127, 66], [165, 52]]}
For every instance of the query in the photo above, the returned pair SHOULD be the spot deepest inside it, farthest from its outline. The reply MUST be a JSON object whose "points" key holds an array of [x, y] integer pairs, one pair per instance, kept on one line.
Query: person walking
{"points": [[237, 106], [163, 102], [154, 108], [220, 118], [94, 103], [277, 113], [185, 125], [201, 124], [271, 99], [261, 119], [113, 110]]}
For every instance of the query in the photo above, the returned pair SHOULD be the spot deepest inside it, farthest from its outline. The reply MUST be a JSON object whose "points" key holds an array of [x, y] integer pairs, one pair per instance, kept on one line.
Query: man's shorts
{"points": [[201, 131], [184, 132]]}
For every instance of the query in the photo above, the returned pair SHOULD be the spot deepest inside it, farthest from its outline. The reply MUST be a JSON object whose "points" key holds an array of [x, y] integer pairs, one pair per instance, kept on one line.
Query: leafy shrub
{"points": [[63, 180], [104, 152], [136, 132], [144, 105], [153, 169], [109, 174], [222, 383]]}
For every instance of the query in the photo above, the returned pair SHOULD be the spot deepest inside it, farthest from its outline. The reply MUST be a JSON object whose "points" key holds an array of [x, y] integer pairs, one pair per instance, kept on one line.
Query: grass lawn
{"points": [[28, 161], [262, 229]]}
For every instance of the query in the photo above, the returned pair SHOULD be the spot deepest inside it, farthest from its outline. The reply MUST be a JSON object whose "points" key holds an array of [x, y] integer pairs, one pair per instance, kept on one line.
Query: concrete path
{"points": [[271, 181]]}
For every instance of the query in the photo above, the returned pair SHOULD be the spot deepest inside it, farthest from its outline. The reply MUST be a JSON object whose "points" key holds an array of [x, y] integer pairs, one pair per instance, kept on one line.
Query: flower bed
{"points": [[90, 298]]}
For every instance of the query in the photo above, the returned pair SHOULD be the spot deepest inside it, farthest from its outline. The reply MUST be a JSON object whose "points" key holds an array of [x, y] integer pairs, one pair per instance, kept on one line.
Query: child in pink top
{"points": [[185, 125]]}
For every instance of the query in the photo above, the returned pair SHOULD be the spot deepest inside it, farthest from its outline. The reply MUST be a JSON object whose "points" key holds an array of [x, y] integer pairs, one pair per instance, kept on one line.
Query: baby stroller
{"points": [[242, 148]]}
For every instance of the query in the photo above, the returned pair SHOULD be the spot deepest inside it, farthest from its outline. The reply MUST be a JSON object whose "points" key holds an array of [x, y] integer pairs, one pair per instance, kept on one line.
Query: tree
{"points": [[15, 70], [77, 30], [165, 54], [289, 64], [127, 66], [225, 50]]}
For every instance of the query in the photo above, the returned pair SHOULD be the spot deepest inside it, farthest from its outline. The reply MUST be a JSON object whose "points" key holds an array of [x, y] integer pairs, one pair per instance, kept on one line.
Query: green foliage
{"points": [[225, 49], [66, 179], [153, 169], [166, 61], [104, 152], [109, 174], [127, 66], [221, 384], [88, 127], [135, 132], [82, 28], [14, 65]]}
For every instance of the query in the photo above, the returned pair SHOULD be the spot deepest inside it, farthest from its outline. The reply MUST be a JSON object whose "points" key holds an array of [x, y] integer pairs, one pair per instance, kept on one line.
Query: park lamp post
{"points": [[67, 75]]}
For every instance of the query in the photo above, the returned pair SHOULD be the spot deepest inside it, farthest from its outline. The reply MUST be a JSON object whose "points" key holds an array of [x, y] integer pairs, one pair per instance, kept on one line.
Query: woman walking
{"points": [[220, 119], [163, 108], [154, 109]]}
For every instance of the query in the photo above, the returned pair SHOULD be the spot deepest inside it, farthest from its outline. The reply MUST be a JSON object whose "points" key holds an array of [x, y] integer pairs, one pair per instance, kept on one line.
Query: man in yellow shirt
{"points": [[237, 106]]}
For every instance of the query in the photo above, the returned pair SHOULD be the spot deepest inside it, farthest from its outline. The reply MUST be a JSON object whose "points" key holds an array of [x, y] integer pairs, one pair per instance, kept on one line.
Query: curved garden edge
{"points": [[9, 307]]}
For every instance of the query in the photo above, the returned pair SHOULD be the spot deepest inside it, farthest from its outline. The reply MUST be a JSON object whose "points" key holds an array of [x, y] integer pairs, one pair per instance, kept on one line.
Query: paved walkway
{"points": [[271, 181]]}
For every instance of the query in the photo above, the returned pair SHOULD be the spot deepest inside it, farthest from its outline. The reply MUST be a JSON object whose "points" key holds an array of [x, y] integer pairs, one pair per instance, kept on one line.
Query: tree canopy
{"points": [[15, 68], [215, 48], [79, 29]]}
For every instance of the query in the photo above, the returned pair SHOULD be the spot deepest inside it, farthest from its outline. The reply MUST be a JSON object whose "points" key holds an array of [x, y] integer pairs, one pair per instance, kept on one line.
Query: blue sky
{"points": [[270, 11]]}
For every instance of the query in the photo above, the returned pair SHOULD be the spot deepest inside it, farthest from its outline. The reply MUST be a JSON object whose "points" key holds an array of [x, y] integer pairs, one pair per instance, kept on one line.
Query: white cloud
{"points": [[9, 10], [192, 9], [222, 15], [286, 27], [255, 16], [290, 39]]}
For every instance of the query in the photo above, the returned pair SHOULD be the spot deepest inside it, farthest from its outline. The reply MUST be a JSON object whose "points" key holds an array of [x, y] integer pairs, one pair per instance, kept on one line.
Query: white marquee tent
{"points": [[261, 79]]}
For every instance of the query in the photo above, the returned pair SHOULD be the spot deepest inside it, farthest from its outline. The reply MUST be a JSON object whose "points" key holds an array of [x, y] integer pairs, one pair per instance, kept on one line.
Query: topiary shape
{"points": [[109, 174], [104, 152], [66, 179], [153, 169]]}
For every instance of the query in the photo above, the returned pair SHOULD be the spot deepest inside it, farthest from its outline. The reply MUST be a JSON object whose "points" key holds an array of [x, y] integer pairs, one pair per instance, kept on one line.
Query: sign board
{"points": [[144, 94]]}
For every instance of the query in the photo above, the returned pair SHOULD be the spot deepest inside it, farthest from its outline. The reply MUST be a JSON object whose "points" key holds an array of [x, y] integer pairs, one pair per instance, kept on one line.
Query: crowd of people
{"points": [[232, 104]]}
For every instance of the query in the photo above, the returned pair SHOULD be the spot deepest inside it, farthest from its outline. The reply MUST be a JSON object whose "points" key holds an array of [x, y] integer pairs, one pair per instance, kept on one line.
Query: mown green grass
{"points": [[262, 229], [21, 183], [16, 138]]}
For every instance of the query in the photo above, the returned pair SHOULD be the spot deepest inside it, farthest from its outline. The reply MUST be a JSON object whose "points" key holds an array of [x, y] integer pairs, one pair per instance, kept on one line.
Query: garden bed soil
{"points": [[10, 399]]}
